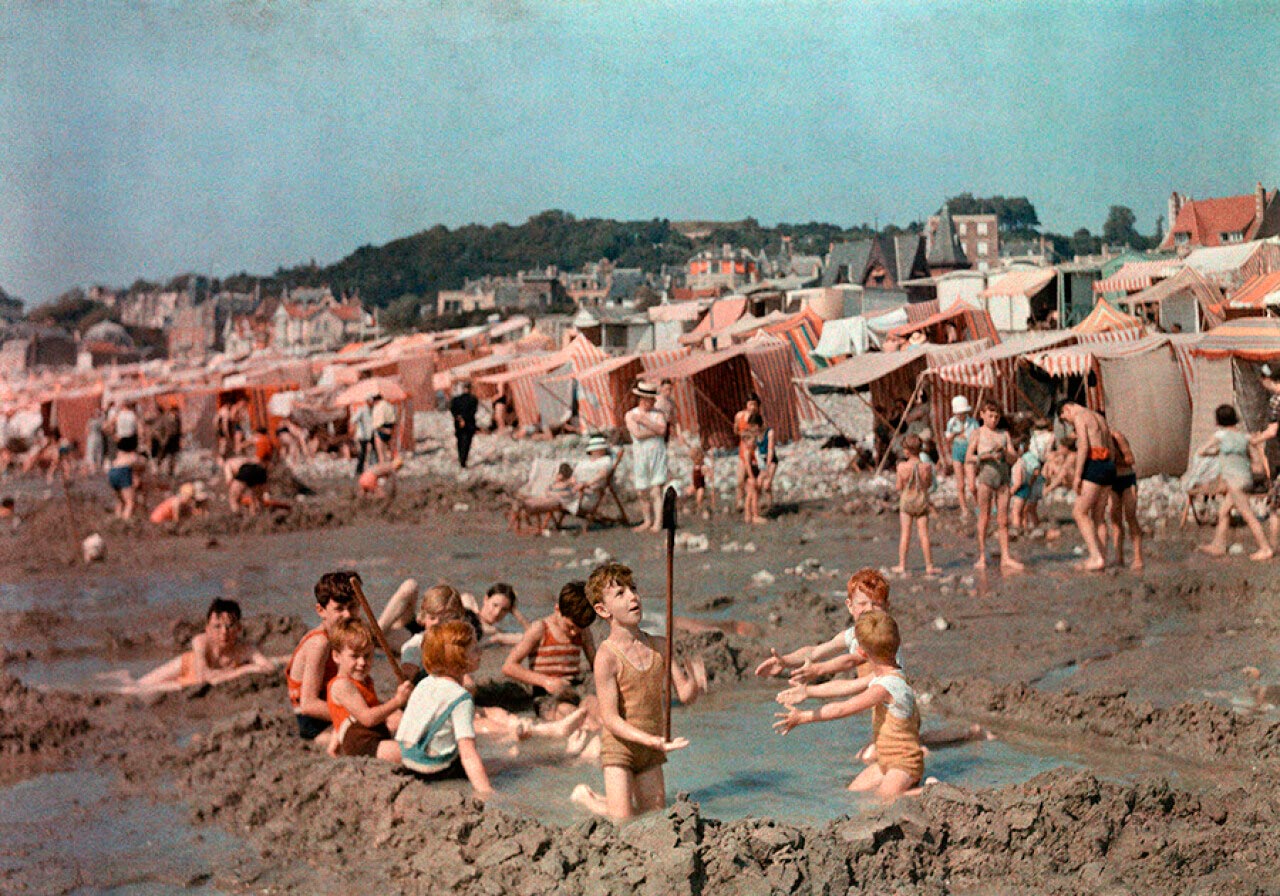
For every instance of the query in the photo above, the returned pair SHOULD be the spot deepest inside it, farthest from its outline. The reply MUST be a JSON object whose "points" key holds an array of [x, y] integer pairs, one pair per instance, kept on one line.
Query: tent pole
{"points": [[903, 422]]}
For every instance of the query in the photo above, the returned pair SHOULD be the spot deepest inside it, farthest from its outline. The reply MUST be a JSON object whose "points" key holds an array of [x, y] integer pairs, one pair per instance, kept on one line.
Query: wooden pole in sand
{"points": [[669, 524], [377, 629]]}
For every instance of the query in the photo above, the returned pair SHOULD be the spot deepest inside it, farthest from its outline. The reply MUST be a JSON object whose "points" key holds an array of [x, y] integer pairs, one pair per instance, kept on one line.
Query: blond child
{"points": [[629, 672], [312, 667], [899, 763], [914, 478], [554, 647], [440, 603], [437, 737], [217, 655], [362, 725]]}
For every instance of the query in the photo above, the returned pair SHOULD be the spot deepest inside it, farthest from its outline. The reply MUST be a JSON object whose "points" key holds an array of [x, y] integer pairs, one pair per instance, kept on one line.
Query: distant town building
{"points": [[726, 266], [943, 250], [311, 320], [1221, 221]]}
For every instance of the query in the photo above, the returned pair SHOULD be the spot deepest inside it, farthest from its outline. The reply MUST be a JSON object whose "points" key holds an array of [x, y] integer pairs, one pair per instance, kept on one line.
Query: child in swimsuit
{"points": [[749, 469], [899, 764], [554, 647], [217, 654], [312, 666], [629, 672], [1124, 502], [914, 478], [700, 475], [362, 726], [991, 449]]}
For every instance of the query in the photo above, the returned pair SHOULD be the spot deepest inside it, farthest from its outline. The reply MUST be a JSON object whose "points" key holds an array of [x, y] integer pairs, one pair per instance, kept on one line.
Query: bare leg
{"points": [[1007, 561], [1241, 502], [894, 784], [1083, 513], [984, 520], [650, 790], [904, 542], [922, 529], [868, 779], [1130, 505], [1117, 527], [655, 498], [588, 799], [402, 606], [1218, 547]]}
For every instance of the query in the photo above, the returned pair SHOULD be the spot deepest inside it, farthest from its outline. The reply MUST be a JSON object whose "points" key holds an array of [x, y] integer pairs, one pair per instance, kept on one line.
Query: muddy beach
{"points": [[1137, 745]]}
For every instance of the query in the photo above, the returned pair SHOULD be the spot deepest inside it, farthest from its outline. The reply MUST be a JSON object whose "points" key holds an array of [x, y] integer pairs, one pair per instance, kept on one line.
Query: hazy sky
{"points": [[147, 139]]}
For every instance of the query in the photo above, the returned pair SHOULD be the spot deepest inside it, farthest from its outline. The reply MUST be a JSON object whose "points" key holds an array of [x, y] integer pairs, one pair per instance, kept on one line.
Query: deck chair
{"points": [[594, 506], [541, 474]]}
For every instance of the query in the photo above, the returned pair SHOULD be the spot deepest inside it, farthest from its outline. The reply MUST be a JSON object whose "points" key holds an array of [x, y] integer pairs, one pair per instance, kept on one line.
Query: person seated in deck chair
{"points": [[591, 478]]}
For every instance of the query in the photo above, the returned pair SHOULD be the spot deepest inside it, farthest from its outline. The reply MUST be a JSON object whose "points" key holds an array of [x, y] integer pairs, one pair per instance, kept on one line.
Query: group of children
{"points": [[431, 723]]}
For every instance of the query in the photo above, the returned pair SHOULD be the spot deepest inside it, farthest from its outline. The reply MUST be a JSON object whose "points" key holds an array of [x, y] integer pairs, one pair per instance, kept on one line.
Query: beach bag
{"points": [[418, 751], [914, 500]]}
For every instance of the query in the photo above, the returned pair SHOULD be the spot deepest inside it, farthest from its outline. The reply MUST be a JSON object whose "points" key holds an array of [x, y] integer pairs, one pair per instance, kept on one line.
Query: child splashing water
{"points": [[899, 763], [629, 671]]}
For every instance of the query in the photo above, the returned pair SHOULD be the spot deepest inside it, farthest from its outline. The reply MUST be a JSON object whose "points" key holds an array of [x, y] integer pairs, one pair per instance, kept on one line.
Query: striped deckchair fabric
{"points": [[802, 332]]}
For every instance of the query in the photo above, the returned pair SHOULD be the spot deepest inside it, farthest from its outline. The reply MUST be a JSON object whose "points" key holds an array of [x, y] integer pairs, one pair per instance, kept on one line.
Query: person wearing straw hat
{"points": [[648, 429]]}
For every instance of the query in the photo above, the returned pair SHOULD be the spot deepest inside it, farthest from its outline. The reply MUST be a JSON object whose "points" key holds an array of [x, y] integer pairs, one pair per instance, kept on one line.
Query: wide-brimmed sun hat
{"points": [[597, 443], [645, 390], [960, 405]]}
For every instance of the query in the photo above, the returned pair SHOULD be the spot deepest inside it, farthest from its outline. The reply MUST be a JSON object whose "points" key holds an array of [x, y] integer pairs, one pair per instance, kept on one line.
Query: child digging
{"points": [[899, 764], [914, 479], [312, 667], [436, 737], [629, 672], [362, 726]]}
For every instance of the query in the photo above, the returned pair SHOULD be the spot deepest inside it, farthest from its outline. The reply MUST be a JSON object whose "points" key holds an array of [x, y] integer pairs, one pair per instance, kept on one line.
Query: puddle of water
{"points": [[120, 845], [82, 673], [1055, 678], [736, 766]]}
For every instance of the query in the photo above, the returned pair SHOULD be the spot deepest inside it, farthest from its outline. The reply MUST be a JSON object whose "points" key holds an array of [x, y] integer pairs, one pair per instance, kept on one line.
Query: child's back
{"points": [[897, 727]]}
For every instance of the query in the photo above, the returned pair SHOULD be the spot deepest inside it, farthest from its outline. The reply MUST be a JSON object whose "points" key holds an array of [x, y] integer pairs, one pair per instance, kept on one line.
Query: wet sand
{"points": [[1130, 688]]}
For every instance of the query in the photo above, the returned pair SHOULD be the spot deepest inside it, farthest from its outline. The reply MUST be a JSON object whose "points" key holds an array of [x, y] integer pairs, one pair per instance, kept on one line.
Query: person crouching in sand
{"points": [[437, 737], [312, 666], [362, 726], [899, 763], [629, 671], [217, 655]]}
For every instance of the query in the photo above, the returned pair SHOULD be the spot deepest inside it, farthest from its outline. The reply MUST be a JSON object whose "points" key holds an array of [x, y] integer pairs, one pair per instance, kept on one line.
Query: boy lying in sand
{"points": [[217, 654]]}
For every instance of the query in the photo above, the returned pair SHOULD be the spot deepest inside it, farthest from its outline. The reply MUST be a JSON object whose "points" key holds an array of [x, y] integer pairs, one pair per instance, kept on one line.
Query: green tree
{"points": [[1083, 242], [1118, 230]]}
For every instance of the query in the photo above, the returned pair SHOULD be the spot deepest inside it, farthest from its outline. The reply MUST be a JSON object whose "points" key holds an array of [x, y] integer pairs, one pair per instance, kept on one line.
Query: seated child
{"points": [[630, 669], [899, 764], [217, 654], [378, 481], [312, 666], [440, 603], [554, 647], [562, 494], [499, 602], [362, 726], [437, 737]]}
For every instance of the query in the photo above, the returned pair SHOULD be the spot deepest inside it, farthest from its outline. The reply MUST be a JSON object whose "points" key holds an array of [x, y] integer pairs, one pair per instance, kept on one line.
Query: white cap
{"points": [[960, 405]]}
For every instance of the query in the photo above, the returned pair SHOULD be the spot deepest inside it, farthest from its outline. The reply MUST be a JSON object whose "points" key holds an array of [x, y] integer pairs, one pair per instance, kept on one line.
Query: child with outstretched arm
{"points": [[312, 667], [630, 669], [437, 738], [217, 654], [362, 726], [899, 763], [867, 589]]}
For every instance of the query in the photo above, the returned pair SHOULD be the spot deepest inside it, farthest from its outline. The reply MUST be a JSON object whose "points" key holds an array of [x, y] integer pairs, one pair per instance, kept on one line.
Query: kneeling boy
{"points": [[312, 667]]}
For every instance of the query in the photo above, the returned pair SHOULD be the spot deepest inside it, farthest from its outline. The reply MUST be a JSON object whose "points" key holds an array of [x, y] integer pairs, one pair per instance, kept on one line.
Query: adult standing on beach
{"points": [[1095, 473], [463, 407], [362, 428], [384, 428], [648, 429], [125, 426], [1271, 382]]}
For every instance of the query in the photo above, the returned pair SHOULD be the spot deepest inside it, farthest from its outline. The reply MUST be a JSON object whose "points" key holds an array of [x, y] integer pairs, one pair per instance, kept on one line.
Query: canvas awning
{"points": [[1105, 317], [1259, 292], [1137, 275], [860, 371], [1247, 338], [1025, 283], [979, 371], [972, 323], [1079, 360]]}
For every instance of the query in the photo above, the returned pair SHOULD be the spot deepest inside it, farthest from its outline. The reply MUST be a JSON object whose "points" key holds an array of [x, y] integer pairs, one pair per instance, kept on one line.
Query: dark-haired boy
{"points": [[312, 666], [554, 647], [217, 654]]}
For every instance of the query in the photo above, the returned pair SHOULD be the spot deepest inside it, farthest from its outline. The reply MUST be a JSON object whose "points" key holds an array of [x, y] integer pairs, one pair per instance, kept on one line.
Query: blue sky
{"points": [[148, 139]]}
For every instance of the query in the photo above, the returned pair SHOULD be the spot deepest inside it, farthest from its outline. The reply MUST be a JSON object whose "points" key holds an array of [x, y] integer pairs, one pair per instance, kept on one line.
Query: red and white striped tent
{"points": [[604, 391], [709, 389], [992, 373], [940, 391], [970, 323], [519, 379], [1081, 359], [1104, 318], [1246, 338], [584, 353], [770, 361], [1135, 276], [721, 313], [801, 331]]}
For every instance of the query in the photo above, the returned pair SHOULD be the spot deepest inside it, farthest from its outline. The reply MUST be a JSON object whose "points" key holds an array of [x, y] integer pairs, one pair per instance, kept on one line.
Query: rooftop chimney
{"points": [[1259, 203]]}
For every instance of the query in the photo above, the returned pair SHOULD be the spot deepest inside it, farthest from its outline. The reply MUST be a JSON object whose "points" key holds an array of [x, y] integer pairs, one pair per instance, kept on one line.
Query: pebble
{"points": [[1236, 549], [730, 547], [461, 507], [763, 578], [1062, 626], [941, 624]]}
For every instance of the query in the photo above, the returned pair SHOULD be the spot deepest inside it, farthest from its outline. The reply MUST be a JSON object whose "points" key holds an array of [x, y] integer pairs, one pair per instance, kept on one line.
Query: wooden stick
{"points": [[377, 629], [669, 524], [901, 423]]}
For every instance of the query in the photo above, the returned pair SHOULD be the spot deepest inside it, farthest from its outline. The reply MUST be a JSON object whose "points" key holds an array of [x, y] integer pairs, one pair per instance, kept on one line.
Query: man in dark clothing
{"points": [[463, 408]]}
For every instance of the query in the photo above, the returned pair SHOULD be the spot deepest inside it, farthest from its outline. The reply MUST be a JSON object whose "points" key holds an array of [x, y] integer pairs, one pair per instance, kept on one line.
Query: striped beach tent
{"points": [[1081, 360], [519, 379], [991, 373], [770, 361], [1135, 276], [1246, 338], [802, 332], [970, 323], [710, 387], [584, 353], [1104, 318], [604, 391]]}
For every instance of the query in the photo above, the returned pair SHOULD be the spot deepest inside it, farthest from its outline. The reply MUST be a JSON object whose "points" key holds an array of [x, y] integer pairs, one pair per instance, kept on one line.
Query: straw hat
{"points": [[960, 405], [645, 390], [597, 443]]}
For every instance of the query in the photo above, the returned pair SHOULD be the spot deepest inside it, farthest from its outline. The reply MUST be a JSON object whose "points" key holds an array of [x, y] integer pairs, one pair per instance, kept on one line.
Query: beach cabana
{"points": [[1226, 361], [885, 376], [995, 373], [959, 323], [1077, 363], [1186, 301], [770, 361], [1010, 297], [721, 313], [709, 389], [518, 381], [1104, 318], [801, 331], [1135, 276], [604, 391], [1145, 396]]}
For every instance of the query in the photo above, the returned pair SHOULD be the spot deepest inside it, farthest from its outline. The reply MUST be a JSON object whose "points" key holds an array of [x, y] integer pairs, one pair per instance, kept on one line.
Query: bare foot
{"points": [[698, 668], [1262, 554], [1092, 565], [1212, 550], [980, 563], [899, 570], [643, 527], [584, 796], [932, 571], [1137, 564], [1010, 565], [566, 726]]}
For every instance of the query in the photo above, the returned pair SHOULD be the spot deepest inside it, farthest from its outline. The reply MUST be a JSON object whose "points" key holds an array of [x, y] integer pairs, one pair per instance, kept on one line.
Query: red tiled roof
{"points": [[1205, 220], [345, 312]]}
